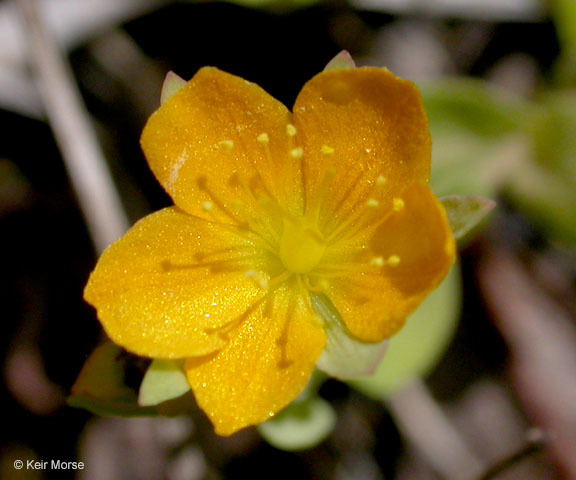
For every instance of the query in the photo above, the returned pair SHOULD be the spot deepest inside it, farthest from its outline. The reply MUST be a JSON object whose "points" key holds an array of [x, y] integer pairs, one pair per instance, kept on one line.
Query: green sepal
{"points": [[172, 83], [342, 61], [465, 213], [302, 425], [344, 356], [164, 380], [417, 348], [101, 389]]}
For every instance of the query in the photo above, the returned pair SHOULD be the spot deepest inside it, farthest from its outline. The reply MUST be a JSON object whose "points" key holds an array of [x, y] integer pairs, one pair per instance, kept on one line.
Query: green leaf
{"points": [[172, 83], [416, 349], [342, 61], [466, 212], [100, 387], [548, 199], [553, 133], [564, 16], [164, 380], [476, 136], [344, 357], [544, 189], [300, 426]]}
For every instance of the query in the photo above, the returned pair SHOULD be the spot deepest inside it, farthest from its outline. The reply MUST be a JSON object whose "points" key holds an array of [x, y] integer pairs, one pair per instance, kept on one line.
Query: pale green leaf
{"points": [[342, 61], [164, 380], [172, 83], [466, 212], [476, 142], [416, 349], [300, 426], [344, 357]]}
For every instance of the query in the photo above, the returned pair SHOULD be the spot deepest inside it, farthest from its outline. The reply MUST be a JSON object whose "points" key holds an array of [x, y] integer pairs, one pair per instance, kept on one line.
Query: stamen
{"points": [[321, 193], [240, 261], [381, 181], [393, 260], [326, 150], [263, 139], [227, 145], [224, 330], [377, 262], [372, 203], [282, 340], [398, 204], [291, 130], [296, 153], [242, 222]]}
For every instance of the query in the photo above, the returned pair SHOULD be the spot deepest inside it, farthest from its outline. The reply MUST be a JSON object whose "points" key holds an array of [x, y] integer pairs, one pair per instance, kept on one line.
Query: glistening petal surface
{"points": [[203, 146], [404, 259], [263, 369], [173, 285], [367, 124]]}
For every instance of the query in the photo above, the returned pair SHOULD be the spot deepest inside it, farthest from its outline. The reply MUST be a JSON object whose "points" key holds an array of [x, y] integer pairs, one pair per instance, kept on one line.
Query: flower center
{"points": [[301, 246]]}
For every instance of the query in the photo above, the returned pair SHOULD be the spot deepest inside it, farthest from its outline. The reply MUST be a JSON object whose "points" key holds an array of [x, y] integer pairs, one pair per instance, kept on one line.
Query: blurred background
{"points": [[482, 382]]}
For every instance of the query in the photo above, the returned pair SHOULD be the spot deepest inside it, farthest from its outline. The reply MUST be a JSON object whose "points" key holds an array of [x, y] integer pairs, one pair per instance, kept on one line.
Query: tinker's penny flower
{"points": [[279, 217]]}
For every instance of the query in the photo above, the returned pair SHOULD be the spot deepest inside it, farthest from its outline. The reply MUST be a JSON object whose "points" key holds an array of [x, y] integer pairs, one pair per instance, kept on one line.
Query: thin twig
{"points": [[85, 163], [424, 423]]}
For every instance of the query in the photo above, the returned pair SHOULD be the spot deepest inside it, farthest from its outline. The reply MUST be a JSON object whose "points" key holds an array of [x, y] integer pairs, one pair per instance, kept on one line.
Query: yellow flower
{"points": [[274, 212]]}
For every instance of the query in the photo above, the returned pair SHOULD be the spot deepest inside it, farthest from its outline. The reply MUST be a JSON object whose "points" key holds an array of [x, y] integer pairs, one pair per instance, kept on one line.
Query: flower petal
{"points": [[366, 125], [174, 285], [219, 145], [399, 263], [263, 369]]}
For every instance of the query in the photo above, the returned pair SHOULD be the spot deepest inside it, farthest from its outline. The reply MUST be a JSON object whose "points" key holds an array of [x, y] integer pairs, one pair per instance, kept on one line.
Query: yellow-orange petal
{"points": [[174, 285], [404, 259], [369, 127], [263, 369], [223, 140]]}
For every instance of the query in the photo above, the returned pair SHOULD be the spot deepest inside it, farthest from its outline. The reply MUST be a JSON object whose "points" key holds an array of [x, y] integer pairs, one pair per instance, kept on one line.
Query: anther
{"points": [[263, 138], [393, 260], [326, 150], [377, 262], [207, 206], [227, 145], [291, 130], [398, 204], [372, 203], [381, 181], [296, 152]]}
